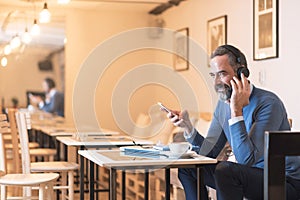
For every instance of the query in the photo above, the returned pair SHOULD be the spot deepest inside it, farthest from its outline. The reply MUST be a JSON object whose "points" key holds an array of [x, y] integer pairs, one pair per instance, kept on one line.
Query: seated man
{"points": [[54, 101], [241, 117]]}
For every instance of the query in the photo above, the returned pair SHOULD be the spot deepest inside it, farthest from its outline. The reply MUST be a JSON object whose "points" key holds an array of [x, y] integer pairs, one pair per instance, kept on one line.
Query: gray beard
{"points": [[224, 92]]}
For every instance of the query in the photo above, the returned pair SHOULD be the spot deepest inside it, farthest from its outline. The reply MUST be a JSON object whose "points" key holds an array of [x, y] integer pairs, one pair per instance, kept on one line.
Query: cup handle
{"points": [[191, 147]]}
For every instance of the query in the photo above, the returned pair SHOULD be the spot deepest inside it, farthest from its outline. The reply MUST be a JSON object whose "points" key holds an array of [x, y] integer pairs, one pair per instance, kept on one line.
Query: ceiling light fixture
{"points": [[45, 15], [35, 29], [63, 1], [15, 42], [7, 49], [26, 37], [4, 61]]}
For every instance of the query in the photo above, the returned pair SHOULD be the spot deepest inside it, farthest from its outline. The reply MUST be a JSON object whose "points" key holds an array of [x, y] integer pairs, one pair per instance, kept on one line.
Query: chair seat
{"points": [[42, 152], [7, 137], [31, 145], [56, 166], [27, 179]]}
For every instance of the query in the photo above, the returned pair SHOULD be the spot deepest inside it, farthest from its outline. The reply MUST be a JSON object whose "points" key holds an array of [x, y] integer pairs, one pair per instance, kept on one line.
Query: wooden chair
{"points": [[8, 136], [11, 141], [44, 181], [66, 169], [45, 153]]}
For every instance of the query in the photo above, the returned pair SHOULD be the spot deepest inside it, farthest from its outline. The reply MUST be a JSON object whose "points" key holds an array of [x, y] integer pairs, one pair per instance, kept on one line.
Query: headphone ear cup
{"points": [[243, 70]]}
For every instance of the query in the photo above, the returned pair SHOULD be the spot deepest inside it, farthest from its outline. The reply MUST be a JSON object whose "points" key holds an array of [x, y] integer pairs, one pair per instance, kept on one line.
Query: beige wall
{"points": [[22, 74], [86, 31]]}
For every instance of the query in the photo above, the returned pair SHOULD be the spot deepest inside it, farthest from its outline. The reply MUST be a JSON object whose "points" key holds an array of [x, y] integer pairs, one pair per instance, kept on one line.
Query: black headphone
{"points": [[237, 53]]}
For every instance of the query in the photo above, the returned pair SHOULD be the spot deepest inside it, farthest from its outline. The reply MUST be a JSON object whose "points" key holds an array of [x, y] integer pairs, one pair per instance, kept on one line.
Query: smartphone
{"points": [[164, 108]]}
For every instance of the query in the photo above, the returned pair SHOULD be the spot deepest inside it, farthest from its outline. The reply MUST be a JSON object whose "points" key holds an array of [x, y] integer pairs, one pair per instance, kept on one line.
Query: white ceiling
{"points": [[15, 15]]}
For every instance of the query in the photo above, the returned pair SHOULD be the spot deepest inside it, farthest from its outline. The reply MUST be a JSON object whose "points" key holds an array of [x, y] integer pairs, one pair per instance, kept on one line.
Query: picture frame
{"points": [[181, 49], [265, 40], [216, 33]]}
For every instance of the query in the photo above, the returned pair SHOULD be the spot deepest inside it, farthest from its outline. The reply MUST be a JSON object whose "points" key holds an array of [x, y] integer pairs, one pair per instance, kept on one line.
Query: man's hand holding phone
{"points": [[180, 119], [164, 108]]}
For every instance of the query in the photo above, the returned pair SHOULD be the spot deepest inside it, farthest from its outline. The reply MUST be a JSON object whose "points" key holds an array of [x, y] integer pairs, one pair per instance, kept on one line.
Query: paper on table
{"points": [[139, 149]]}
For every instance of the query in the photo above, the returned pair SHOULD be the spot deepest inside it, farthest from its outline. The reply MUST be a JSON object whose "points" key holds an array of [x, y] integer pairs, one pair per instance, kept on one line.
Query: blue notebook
{"points": [[139, 149], [162, 147]]}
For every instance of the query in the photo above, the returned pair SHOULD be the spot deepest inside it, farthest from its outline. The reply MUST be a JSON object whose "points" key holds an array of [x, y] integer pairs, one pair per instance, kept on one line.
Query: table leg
{"points": [[81, 178], [146, 183], [65, 151], [97, 181], [92, 166], [57, 143], [167, 180], [112, 183], [200, 183], [32, 135], [41, 139], [123, 184]]}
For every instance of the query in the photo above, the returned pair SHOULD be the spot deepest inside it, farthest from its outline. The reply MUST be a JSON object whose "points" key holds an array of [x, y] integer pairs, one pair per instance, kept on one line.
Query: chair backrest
{"points": [[278, 145], [23, 123], [15, 140], [3, 129]]}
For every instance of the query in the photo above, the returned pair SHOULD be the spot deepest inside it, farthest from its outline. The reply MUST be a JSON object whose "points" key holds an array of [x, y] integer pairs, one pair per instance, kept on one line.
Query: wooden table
{"points": [[112, 141], [118, 160]]}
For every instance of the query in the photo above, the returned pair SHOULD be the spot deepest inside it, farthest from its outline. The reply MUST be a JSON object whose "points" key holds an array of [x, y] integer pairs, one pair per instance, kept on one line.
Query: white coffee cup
{"points": [[180, 148]]}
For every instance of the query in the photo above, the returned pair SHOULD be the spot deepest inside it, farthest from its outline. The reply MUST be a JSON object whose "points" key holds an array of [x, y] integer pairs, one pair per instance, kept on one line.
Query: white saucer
{"points": [[188, 154]]}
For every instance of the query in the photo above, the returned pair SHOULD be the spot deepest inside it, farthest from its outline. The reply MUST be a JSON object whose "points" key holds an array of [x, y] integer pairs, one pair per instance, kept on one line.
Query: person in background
{"points": [[242, 115], [54, 100]]}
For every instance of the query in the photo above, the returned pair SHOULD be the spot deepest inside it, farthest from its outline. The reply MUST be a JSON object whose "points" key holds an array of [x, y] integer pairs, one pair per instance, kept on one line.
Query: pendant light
{"points": [[4, 61], [35, 29], [45, 15], [26, 37], [7, 49], [15, 42]]}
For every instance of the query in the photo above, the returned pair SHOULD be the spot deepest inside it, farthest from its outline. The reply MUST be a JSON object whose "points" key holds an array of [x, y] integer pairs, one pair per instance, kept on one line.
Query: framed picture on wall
{"points": [[181, 49], [265, 29], [216, 33]]}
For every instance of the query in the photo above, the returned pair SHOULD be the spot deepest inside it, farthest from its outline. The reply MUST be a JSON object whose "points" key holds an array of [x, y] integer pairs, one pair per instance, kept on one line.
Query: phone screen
{"points": [[164, 108]]}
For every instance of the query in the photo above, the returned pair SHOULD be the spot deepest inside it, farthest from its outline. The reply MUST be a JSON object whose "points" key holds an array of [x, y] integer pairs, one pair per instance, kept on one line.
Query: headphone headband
{"points": [[238, 54], [234, 51]]}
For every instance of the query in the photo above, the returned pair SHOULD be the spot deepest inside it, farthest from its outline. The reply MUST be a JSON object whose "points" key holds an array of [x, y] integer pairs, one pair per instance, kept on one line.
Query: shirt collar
{"points": [[251, 88], [52, 92]]}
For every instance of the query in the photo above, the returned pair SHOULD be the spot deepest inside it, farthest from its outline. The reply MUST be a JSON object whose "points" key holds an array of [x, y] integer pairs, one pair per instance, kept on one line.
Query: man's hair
{"points": [[235, 57], [50, 82]]}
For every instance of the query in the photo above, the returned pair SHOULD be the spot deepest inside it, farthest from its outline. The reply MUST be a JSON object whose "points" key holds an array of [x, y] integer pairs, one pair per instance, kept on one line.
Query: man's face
{"points": [[45, 87], [222, 73]]}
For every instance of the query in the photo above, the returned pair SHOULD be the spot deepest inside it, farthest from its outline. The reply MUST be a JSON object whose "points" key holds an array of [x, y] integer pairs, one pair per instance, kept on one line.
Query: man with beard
{"points": [[242, 115]]}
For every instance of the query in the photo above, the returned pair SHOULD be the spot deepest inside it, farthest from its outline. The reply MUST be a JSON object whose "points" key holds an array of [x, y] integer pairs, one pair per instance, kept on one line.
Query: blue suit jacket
{"points": [[265, 112]]}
